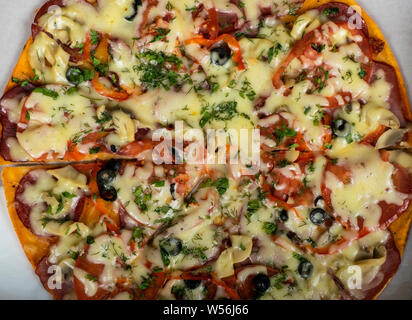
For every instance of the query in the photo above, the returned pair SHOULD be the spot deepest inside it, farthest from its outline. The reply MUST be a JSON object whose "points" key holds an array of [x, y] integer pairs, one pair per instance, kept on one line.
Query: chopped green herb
{"points": [[223, 111], [221, 184], [69, 195], [269, 227], [161, 34], [362, 73], [94, 37], [94, 150], [159, 183], [47, 92], [90, 240], [91, 278], [333, 11]]}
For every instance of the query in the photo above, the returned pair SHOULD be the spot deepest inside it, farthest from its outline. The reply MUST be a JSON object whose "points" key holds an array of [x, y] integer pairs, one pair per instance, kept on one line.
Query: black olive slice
{"points": [[113, 164], [172, 190], [105, 177], [192, 284], [136, 4], [74, 75], [283, 215], [305, 269], [341, 128], [318, 216], [262, 283], [172, 246], [108, 193], [319, 202], [220, 55]]}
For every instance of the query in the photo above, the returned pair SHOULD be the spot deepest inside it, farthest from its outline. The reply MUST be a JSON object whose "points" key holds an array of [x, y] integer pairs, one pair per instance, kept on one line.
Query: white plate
{"points": [[17, 279]]}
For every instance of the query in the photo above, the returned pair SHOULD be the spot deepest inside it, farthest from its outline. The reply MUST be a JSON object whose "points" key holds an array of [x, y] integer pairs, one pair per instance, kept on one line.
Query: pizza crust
{"points": [[36, 247]]}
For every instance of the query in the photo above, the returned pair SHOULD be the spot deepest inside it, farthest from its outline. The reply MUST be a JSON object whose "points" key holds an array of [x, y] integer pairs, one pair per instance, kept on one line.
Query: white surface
{"points": [[17, 279]]}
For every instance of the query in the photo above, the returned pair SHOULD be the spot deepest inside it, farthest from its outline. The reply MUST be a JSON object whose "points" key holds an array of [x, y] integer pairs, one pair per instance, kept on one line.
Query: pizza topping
{"points": [[219, 55], [108, 74], [318, 216]]}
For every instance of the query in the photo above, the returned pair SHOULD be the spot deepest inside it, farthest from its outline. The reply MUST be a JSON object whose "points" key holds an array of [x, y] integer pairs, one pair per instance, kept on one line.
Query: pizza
{"points": [[118, 126]]}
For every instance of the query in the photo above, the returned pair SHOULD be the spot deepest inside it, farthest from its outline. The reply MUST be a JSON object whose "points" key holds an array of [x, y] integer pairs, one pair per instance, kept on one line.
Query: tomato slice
{"points": [[112, 93], [87, 49], [338, 246], [73, 152], [102, 50], [135, 148], [213, 23], [93, 137]]}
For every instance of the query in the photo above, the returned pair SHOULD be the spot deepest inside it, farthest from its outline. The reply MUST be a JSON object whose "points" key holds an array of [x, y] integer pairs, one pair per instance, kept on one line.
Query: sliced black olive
{"points": [[305, 269], [220, 55], [114, 165], [319, 202], [283, 215], [108, 193], [176, 154], [172, 190], [105, 177], [113, 148], [341, 128], [74, 75], [136, 3], [262, 283], [192, 284], [172, 246], [318, 216]]}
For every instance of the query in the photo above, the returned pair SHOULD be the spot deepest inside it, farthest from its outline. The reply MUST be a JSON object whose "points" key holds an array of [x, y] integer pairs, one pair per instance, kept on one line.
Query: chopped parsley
{"points": [[142, 197], [161, 34], [94, 150], [158, 183], [362, 73], [282, 163], [247, 91], [94, 37], [269, 227], [221, 184], [157, 70], [223, 111], [318, 47], [284, 132], [22, 83], [90, 240], [47, 92], [91, 277], [69, 195], [333, 11], [274, 52], [195, 252]]}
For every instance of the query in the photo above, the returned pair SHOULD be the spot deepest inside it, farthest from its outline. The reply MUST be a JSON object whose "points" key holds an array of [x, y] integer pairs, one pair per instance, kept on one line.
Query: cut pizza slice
{"points": [[329, 196], [92, 88], [60, 212], [340, 80]]}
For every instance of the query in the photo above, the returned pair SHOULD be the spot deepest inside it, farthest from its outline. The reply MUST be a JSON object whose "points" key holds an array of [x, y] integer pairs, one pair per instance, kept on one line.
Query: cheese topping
{"points": [[300, 217]]}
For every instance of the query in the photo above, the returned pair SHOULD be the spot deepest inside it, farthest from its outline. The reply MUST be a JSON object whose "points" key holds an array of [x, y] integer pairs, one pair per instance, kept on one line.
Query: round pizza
{"points": [[208, 149]]}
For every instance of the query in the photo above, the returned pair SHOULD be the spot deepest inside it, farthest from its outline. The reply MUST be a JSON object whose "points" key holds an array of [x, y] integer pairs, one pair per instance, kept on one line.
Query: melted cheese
{"points": [[47, 57], [203, 226], [371, 183]]}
